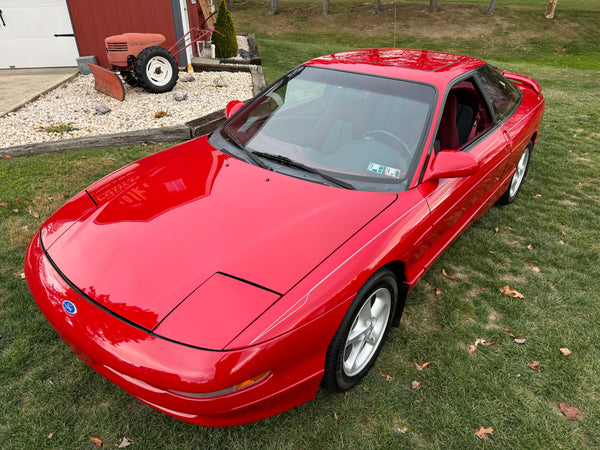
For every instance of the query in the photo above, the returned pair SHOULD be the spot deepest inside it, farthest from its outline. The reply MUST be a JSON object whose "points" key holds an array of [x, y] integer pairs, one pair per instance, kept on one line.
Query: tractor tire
{"points": [[156, 69]]}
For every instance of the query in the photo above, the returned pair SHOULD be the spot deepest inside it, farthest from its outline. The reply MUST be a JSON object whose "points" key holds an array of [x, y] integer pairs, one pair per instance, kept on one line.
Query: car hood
{"points": [[166, 224]]}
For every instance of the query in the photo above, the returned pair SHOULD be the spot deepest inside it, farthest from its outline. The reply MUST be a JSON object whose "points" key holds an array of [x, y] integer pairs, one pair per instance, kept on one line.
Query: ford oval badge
{"points": [[69, 307]]}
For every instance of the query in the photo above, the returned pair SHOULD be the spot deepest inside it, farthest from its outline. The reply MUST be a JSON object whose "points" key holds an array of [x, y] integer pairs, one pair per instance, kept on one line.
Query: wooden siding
{"points": [[95, 20]]}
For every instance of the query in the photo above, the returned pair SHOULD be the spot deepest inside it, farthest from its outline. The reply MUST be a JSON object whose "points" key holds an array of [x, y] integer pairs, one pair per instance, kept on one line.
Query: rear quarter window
{"points": [[503, 94]]}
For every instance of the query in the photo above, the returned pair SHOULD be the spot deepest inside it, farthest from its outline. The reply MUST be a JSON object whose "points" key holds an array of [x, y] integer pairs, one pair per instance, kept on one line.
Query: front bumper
{"points": [[148, 366]]}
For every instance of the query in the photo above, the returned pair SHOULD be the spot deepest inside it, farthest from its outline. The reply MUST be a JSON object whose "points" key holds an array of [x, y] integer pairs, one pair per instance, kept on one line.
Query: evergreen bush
{"points": [[226, 42]]}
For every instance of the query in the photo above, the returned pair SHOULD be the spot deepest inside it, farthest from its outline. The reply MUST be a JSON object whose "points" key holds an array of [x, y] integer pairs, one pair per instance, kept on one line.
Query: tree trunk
{"points": [[325, 7], [376, 7], [492, 7], [550, 10], [275, 7], [434, 5]]}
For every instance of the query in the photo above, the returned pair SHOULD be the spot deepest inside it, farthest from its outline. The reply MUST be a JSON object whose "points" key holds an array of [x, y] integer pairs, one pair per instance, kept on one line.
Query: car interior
{"points": [[465, 117]]}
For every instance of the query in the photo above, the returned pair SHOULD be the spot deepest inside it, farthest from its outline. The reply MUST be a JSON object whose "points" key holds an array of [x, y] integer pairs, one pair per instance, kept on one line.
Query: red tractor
{"points": [[142, 61]]}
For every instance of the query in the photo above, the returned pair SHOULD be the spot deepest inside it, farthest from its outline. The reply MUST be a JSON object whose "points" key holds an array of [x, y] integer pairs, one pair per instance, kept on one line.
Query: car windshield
{"points": [[361, 128]]}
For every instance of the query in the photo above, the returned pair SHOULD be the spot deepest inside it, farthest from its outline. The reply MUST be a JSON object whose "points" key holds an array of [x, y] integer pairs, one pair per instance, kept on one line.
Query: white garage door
{"points": [[36, 33]]}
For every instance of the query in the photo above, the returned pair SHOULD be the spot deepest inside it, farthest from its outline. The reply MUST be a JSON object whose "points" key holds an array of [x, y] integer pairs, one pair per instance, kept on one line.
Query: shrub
{"points": [[226, 42]]}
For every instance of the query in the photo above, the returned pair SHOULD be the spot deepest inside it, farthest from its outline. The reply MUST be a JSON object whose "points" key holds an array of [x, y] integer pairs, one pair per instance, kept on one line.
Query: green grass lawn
{"points": [[546, 246]]}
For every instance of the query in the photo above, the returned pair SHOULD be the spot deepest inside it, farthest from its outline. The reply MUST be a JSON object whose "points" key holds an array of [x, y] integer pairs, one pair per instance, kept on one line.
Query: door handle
{"points": [[2, 18], [508, 138]]}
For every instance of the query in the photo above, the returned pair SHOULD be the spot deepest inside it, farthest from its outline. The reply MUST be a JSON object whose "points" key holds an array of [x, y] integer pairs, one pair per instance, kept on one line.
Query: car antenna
{"points": [[395, 24]]}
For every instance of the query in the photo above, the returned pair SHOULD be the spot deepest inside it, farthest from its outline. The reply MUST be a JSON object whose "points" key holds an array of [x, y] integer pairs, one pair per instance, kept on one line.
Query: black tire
{"points": [[156, 69], [350, 356], [129, 77], [517, 179]]}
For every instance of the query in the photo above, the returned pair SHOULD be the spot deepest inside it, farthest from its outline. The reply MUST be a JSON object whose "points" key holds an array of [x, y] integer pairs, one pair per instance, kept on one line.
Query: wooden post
{"points": [[550, 10]]}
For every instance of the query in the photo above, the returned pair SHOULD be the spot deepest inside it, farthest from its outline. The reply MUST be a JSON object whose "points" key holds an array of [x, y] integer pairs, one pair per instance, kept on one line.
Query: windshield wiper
{"points": [[257, 161], [298, 165]]}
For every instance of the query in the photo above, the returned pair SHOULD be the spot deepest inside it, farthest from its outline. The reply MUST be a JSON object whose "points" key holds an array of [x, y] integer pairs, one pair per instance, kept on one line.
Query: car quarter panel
{"points": [[522, 126]]}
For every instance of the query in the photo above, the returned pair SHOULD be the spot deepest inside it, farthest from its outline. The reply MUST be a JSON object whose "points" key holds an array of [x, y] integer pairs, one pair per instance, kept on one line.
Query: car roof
{"points": [[436, 68]]}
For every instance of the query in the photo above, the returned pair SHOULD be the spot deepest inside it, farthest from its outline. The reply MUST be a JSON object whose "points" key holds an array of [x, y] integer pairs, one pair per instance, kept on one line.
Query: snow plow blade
{"points": [[108, 82]]}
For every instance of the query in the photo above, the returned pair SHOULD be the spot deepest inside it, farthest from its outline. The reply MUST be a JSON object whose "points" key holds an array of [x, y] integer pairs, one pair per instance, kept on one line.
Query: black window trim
{"points": [[473, 74]]}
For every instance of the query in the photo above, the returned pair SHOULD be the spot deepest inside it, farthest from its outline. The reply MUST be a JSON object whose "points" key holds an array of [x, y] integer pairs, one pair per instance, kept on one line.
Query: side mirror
{"points": [[451, 164], [233, 107]]}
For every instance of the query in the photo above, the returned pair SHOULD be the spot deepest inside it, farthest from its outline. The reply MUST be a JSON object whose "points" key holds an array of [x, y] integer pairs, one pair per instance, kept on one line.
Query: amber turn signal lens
{"points": [[251, 381]]}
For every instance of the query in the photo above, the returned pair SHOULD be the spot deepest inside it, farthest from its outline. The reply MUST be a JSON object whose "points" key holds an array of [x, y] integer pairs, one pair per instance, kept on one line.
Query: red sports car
{"points": [[225, 279]]}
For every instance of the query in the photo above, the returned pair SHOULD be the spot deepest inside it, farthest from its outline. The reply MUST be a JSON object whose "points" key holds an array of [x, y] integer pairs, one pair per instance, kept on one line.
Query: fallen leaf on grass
{"points": [[96, 441], [402, 430], [346, 393], [570, 412], [124, 442], [496, 229], [565, 351], [50, 435], [516, 339], [506, 290], [536, 269], [437, 291], [579, 187], [335, 416], [448, 276], [477, 343], [421, 366], [483, 433], [530, 247], [537, 195], [387, 377], [4, 203], [7, 157], [535, 366], [415, 385]]}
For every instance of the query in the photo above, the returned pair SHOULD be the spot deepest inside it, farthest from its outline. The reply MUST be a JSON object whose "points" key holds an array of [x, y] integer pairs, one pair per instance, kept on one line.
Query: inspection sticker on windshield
{"points": [[376, 168], [391, 172]]}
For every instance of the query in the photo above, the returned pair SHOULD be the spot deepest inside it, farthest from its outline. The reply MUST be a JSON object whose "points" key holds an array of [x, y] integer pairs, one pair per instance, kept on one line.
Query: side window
{"points": [[502, 93], [465, 117]]}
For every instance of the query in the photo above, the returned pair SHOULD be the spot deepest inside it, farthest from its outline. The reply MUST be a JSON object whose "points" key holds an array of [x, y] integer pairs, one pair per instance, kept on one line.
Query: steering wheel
{"points": [[403, 149]]}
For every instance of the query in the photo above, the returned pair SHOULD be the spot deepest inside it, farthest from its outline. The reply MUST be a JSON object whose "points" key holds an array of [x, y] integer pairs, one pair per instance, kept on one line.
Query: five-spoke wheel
{"points": [[517, 180], [360, 337]]}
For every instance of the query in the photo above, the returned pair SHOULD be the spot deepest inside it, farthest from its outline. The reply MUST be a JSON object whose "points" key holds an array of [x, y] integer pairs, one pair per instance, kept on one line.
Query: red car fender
{"points": [[398, 234]]}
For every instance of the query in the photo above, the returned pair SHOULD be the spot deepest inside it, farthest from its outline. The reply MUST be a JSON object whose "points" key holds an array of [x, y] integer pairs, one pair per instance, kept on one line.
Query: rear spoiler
{"points": [[524, 80]]}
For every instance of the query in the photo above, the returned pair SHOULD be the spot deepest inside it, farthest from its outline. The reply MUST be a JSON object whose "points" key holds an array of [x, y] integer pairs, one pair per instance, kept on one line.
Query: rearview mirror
{"points": [[451, 164], [233, 107]]}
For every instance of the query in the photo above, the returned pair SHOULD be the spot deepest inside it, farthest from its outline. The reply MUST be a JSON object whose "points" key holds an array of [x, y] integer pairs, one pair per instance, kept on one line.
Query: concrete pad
{"points": [[20, 86]]}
